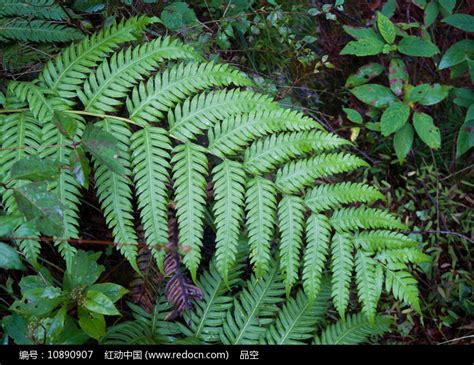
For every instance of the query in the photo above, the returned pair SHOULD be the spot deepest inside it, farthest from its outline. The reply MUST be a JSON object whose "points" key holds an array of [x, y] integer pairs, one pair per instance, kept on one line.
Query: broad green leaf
{"points": [[464, 22], [403, 141], [447, 5], [8, 223], [364, 74], [417, 93], [92, 323], [465, 139], [470, 64], [35, 169], [375, 95], [397, 76], [65, 123], [113, 291], [353, 115], [84, 270], [463, 96], [42, 207], [426, 130], [16, 327], [457, 53], [9, 258], [56, 325], [363, 47], [41, 301], [389, 8], [414, 46], [72, 335], [435, 94], [79, 166], [103, 146], [178, 15], [98, 302], [431, 13], [361, 33], [386, 28], [394, 117]]}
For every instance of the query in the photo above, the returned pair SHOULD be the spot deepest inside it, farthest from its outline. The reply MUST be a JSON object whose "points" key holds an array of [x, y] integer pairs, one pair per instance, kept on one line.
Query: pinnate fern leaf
{"points": [[36, 31], [342, 263]]}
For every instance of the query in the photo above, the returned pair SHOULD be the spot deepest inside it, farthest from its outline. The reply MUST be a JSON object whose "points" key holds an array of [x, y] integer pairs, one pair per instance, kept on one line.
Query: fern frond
{"points": [[318, 235], [40, 104], [237, 131], [104, 90], [65, 186], [403, 286], [115, 194], [253, 310], [261, 204], [291, 224], [268, 153], [150, 155], [354, 330], [330, 196], [205, 322], [149, 101], [202, 111], [380, 240], [145, 329], [229, 185], [43, 9], [369, 280], [348, 219], [341, 270], [189, 176], [298, 318], [20, 137], [295, 175], [403, 255], [67, 72], [36, 31]]}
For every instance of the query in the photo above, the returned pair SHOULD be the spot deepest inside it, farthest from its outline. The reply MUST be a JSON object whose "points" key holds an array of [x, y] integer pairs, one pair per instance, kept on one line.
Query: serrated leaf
{"points": [[363, 47], [426, 130], [35, 169], [403, 141], [41, 206], [364, 74], [397, 76], [417, 47], [464, 22], [375, 95], [386, 28], [394, 118], [103, 146]]}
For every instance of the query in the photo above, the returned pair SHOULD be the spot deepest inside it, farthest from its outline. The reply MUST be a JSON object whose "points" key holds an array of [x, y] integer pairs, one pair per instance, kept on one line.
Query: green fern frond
{"points": [[369, 280], [403, 286], [268, 153], [318, 235], [261, 205], [40, 104], [36, 31], [67, 72], [145, 329], [354, 330], [380, 240], [20, 137], [149, 101], [330, 196], [291, 224], [253, 310], [104, 90], [341, 269], [115, 194], [297, 319], [347, 219], [229, 185], [150, 155], [403, 255], [43, 9], [206, 320], [237, 131], [65, 186], [202, 111], [298, 174], [189, 176]]}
